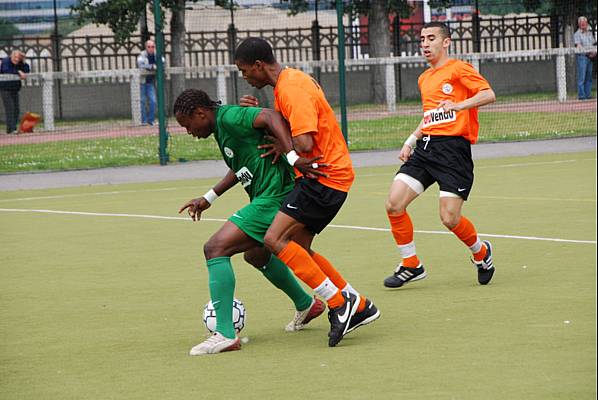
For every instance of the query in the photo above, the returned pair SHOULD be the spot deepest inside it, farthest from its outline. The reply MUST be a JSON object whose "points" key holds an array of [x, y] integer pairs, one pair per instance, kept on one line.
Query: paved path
{"points": [[213, 168]]}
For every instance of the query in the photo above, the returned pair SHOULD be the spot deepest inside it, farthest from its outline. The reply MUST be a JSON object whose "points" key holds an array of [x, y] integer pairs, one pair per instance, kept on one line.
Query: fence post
{"points": [[136, 98], [561, 77], [475, 61], [232, 46], [315, 47], [340, 11], [48, 101], [391, 91], [221, 91]]}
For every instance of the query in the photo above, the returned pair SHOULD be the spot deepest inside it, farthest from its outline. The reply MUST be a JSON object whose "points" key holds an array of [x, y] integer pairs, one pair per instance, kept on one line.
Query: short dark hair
{"points": [[252, 49], [190, 99], [444, 29]]}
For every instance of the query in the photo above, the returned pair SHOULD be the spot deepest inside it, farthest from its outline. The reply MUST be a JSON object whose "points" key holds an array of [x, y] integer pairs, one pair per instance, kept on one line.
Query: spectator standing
{"points": [[583, 37], [9, 90], [146, 61]]}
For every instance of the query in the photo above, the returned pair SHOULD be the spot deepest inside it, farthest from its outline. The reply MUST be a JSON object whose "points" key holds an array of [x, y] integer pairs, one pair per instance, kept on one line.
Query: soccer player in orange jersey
{"points": [[317, 141], [439, 150]]}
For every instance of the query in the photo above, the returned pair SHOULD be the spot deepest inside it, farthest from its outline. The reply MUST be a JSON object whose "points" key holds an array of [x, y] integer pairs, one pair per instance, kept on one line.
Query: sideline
{"points": [[217, 168]]}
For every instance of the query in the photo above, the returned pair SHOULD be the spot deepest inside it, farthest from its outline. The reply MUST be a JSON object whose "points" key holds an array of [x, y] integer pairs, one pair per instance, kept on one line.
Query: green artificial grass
{"points": [[107, 307]]}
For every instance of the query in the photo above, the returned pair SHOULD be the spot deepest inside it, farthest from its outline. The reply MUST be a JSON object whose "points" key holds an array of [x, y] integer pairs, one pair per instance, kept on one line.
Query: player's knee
{"points": [[211, 249], [394, 208], [273, 243], [449, 219], [257, 258]]}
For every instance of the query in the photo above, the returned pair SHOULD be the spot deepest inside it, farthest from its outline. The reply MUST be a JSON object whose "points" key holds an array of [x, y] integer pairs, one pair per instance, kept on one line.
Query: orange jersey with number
{"points": [[456, 81], [303, 104]]}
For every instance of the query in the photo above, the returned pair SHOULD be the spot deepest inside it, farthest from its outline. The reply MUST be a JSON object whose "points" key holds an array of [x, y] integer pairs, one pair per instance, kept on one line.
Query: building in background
{"points": [[32, 17]]}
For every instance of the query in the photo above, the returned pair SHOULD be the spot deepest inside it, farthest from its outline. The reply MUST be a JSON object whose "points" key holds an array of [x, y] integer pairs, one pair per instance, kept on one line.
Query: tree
{"points": [[8, 29], [379, 39], [123, 16]]}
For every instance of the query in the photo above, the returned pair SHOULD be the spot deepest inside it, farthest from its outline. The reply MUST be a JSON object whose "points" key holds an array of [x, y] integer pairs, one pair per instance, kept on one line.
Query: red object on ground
{"points": [[28, 122]]}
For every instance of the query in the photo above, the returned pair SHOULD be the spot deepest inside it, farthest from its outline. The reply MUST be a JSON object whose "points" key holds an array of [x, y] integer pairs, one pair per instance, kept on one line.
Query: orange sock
{"points": [[402, 230], [466, 232], [335, 276], [306, 269]]}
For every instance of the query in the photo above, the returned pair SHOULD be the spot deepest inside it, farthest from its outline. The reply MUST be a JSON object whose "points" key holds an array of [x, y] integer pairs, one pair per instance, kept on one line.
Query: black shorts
{"points": [[313, 204], [443, 159]]}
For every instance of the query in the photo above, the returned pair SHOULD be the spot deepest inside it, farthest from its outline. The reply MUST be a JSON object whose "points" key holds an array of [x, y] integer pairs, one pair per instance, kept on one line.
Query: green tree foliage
{"points": [[8, 29]]}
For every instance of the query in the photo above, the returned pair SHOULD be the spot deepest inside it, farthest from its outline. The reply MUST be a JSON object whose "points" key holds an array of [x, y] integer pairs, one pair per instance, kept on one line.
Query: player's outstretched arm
{"points": [[196, 206]]}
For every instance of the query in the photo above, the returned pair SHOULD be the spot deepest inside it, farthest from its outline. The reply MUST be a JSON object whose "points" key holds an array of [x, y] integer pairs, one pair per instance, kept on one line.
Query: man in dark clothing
{"points": [[9, 90]]}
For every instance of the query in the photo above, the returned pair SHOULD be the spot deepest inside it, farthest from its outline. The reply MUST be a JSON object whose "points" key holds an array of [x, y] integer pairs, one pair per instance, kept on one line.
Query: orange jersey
{"points": [[302, 102], [456, 81]]}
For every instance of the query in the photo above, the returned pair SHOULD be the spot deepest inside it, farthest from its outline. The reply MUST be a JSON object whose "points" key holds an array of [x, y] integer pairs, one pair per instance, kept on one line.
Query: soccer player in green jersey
{"points": [[240, 133]]}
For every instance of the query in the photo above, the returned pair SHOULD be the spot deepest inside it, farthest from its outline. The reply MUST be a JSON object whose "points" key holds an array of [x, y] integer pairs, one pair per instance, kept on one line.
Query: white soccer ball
{"points": [[209, 316]]}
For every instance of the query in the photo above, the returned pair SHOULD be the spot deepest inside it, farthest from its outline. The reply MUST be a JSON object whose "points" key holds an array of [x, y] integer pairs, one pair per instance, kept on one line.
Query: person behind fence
{"points": [[583, 37], [439, 150], [9, 90], [146, 61]]}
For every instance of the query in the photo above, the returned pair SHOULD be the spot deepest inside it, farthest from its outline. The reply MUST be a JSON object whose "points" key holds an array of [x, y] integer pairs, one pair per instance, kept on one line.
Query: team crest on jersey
{"points": [[447, 88], [438, 116], [244, 176], [229, 153]]}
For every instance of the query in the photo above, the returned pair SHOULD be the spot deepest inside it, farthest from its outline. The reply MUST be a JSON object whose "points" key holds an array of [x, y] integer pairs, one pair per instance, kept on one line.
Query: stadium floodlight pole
{"points": [[340, 10], [163, 149]]}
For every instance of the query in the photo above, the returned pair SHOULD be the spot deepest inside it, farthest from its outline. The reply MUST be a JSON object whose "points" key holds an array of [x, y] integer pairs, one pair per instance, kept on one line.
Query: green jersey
{"points": [[238, 141]]}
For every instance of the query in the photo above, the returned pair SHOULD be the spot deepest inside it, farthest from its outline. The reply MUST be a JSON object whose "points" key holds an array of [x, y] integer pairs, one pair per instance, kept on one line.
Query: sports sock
{"points": [[402, 230], [306, 269], [466, 232], [349, 289], [282, 277], [335, 276], [222, 289]]}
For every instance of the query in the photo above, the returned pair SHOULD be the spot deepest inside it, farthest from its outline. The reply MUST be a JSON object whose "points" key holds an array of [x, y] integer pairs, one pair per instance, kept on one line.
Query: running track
{"points": [[99, 131]]}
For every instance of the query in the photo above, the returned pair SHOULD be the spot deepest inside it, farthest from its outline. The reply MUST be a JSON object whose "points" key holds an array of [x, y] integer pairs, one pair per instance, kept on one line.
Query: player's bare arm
{"points": [[274, 123], [480, 99], [409, 145], [196, 206]]}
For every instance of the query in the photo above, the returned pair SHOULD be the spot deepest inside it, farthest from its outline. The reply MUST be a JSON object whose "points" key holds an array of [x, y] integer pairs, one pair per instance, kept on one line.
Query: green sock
{"points": [[222, 289], [281, 276]]}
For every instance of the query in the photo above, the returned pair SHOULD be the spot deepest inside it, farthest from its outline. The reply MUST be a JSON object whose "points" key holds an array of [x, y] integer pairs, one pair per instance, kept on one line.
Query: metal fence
{"points": [[86, 53]]}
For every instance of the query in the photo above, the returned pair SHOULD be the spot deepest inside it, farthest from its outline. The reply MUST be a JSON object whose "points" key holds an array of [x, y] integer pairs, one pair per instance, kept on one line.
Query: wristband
{"points": [[411, 141], [210, 196], [292, 157]]}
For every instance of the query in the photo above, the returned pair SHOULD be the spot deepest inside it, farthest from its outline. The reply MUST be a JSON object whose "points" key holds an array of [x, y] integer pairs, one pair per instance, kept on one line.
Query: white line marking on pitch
{"points": [[64, 196], [361, 228]]}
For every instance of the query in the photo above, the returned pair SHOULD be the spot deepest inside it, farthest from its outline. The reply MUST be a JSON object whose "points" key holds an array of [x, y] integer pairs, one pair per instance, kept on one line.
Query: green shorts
{"points": [[256, 217]]}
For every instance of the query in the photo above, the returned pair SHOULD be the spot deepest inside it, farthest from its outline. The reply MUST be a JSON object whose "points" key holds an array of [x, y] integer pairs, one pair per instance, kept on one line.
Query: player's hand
{"points": [[195, 207], [310, 168], [274, 148], [248, 101], [405, 153], [448, 105]]}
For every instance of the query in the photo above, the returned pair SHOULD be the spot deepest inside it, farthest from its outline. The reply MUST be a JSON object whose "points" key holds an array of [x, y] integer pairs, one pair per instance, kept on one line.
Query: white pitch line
{"points": [[354, 227], [64, 196]]}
